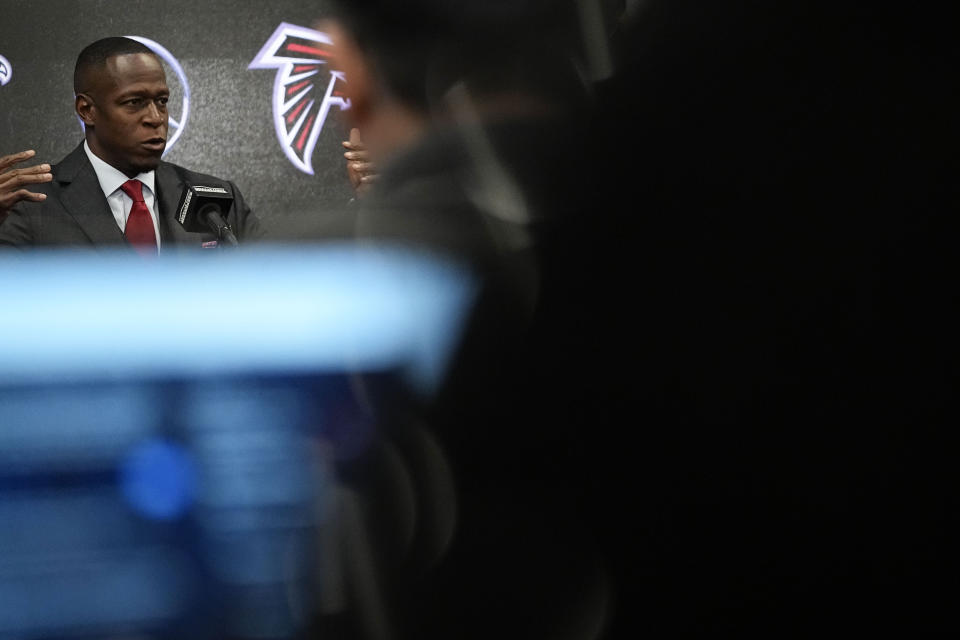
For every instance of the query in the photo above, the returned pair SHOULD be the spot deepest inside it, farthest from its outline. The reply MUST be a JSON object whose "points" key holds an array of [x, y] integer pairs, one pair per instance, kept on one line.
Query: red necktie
{"points": [[139, 232]]}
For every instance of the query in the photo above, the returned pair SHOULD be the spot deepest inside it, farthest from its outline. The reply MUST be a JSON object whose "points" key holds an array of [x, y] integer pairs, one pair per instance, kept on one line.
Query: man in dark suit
{"points": [[114, 189]]}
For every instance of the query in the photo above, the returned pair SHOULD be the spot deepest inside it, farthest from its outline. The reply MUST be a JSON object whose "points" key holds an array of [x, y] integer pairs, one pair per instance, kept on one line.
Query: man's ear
{"points": [[346, 56], [85, 108]]}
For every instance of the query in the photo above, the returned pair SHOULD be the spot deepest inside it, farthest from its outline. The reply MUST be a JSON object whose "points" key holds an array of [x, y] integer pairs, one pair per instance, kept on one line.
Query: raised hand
{"points": [[12, 181], [360, 170]]}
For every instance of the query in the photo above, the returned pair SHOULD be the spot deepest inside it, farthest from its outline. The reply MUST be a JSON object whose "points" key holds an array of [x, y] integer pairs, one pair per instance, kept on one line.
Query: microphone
{"points": [[202, 208]]}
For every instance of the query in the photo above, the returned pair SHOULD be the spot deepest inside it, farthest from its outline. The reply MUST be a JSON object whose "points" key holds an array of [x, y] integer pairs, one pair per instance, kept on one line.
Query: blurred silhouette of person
{"points": [[473, 117], [732, 337]]}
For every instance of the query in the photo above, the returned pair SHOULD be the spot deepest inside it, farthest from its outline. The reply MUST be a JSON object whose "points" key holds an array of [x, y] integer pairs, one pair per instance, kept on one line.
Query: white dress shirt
{"points": [[120, 203]]}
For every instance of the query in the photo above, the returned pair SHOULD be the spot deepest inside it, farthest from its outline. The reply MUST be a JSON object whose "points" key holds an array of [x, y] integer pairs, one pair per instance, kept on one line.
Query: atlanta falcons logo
{"points": [[299, 55], [6, 71]]}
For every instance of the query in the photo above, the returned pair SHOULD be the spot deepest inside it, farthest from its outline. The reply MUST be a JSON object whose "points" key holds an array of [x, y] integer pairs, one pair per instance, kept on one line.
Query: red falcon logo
{"points": [[299, 109]]}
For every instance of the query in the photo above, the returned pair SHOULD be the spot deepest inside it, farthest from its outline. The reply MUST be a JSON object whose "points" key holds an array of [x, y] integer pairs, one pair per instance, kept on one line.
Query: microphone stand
{"points": [[211, 215]]}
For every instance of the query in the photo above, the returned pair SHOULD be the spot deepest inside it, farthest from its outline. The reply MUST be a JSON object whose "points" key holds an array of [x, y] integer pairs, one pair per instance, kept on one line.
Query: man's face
{"points": [[125, 111]]}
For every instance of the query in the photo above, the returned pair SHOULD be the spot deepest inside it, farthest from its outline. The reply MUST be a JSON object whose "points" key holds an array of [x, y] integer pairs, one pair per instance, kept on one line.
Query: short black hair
{"points": [[95, 55], [420, 46]]}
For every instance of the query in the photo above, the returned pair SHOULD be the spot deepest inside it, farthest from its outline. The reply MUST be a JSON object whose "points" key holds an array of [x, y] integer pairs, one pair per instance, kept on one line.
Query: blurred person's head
{"points": [[404, 59]]}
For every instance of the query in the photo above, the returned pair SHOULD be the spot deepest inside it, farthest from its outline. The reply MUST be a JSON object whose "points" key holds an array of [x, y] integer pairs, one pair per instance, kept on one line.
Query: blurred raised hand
{"points": [[360, 170]]}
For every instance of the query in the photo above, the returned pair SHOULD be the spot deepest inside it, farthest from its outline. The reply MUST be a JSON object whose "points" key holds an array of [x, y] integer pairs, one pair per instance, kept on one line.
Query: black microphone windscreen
{"points": [[196, 197]]}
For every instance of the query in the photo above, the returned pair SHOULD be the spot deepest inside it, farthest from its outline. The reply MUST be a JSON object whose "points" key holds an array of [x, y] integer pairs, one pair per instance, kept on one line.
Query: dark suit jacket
{"points": [[76, 212]]}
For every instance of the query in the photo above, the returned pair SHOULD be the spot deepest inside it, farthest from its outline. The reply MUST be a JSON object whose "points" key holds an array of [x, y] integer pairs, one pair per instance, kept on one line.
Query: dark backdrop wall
{"points": [[229, 130]]}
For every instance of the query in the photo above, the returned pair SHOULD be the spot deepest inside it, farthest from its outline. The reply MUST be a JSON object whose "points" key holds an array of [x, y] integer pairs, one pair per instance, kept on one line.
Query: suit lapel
{"points": [[83, 199]]}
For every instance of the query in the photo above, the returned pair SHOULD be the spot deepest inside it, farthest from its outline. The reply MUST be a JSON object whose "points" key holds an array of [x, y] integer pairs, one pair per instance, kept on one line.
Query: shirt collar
{"points": [[111, 178]]}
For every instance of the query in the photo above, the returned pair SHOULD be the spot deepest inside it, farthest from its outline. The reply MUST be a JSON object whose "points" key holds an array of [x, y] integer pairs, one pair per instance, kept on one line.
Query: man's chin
{"points": [[148, 163]]}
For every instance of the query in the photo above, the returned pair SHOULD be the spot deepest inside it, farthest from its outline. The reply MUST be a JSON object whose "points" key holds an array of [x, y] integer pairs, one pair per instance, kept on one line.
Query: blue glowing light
{"points": [[158, 479], [256, 309]]}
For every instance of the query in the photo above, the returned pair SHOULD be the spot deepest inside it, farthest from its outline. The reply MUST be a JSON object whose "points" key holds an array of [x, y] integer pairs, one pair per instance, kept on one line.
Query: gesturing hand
{"points": [[13, 181], [360, 169]]}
